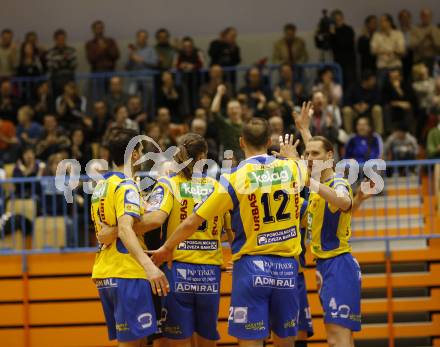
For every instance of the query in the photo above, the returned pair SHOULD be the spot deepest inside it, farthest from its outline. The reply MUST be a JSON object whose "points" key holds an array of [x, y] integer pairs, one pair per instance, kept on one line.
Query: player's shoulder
{"points": [[338, 180]]}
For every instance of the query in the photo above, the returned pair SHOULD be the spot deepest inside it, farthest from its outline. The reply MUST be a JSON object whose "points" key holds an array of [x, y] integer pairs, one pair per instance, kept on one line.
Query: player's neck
{"points": [[326, 174], [120, 169], [248, 152]]}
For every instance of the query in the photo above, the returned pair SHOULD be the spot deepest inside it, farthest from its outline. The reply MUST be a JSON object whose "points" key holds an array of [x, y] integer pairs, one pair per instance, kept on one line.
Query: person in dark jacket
{"points": [[368, 60]]}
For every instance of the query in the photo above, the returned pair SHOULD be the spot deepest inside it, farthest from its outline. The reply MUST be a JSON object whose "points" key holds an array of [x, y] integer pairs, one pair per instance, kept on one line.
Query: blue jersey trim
{"points": [[111, 173], [230, 189], [240, 235]]}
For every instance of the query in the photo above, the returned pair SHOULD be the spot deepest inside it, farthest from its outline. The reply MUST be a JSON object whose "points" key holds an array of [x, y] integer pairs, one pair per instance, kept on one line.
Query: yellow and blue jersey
{"points": [[113, 197], [329, 227], [263, 196], [177, 196]]}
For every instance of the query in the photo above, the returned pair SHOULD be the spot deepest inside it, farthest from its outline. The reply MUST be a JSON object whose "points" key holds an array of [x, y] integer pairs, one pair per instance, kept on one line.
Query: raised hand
{"points": [[287, 147], [304, 118]]}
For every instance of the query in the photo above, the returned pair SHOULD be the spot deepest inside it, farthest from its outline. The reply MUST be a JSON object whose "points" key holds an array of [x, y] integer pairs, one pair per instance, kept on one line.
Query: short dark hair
{"points": [[369, 18], [256, 132], [96, 22], [290, 26], [6, 31], [328, 146], [59, 32], [162, 30], [119, 140]]}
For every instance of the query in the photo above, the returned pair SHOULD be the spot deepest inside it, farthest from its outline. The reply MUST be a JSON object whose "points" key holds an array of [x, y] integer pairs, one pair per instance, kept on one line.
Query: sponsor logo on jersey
{"points": [[155, 199], [100, 191], [240, 315], [132, 197], [181, 273], [198, 245], [201, 288], [255, 211], [257, 326], [276, 236], [271, 176], [106, 282], [195, 190], [272, 282]]}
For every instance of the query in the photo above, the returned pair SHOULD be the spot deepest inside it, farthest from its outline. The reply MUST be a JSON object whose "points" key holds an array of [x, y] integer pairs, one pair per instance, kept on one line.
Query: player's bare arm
{"points": [[159, 282], [336, 197]]}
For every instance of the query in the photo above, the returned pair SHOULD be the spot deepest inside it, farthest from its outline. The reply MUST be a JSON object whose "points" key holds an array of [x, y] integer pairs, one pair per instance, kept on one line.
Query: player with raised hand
{"points": [[122, 269], [263, 196]]}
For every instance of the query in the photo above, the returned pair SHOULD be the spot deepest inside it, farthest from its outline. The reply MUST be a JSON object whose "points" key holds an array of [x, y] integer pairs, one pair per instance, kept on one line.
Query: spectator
{"points": [[100, 119], [433, 142], [229, 128], [276, 125], [425, 40], [326, 84], [200, 126], [171, 131], [398, 101], [343, 47], [406, 27], [142, 56], [120, 121], [9, 143], [44, 102], [161, 139], [61, 62], [8, 54], [164, 50], [189, 60], [30, 63], [116, 95], [28, 132], [52, 140], [326, 119], [136, 111], [401, 145], [32, 38], [8, 102], [435, 108], [365, 144], [102, 52], [80, 149], [423, 86], [170, 96], [363, 100], [70, 106], [388, 45], [287, 88], [290, 49], [256, 90], [216, 77], [368, 60], [28, 166]]}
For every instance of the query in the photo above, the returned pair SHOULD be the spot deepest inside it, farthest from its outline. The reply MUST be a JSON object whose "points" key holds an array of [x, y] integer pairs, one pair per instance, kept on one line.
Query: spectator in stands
{"points": [[365, 144], [61, 62], [136, 110], [327, 84], [433, 142], [162, 140], [343, 46], [286, 77], [8, 54], [424, 89], [28, 166], [53, 139], [205, 103], [400, 145], [256, 90], [80, 149], [30, 63], [290, 49], [28, 132], [44, 102], [216, 77], [171, 96], [363, 100], [9, 143], [170, 131], [276, 125], [120, 121], [398, 99], [326, 119], [388, 45], [289, 89], [41, 51], [9, 103], [200, 126], [229, 128], [405, 25], [116, 95], [435, 108], [425, 40], [100, 119], [368, 59], [70, 106], [142, 56], [164, 50], [102, 52]]}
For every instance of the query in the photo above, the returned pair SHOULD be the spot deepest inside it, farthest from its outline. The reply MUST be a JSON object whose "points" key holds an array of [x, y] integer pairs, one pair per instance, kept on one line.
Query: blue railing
{"points": [[35, 217], [145, 82]]}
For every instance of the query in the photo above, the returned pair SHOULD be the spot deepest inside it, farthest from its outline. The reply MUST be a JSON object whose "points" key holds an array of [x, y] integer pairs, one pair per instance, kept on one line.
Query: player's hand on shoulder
{"points": [[288, 149], [158, 280]]}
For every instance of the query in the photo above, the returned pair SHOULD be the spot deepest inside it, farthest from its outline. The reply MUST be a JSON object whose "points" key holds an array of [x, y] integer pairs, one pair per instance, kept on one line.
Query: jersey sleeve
{"points": [[127, 200], [341, 186], [161, 198], [218, 202]]}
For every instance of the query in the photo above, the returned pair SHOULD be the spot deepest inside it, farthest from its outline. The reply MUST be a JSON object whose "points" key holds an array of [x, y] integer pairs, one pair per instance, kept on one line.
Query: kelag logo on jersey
{"points": [[195, 190], [267, 177], [100, 191], [276, 236]]}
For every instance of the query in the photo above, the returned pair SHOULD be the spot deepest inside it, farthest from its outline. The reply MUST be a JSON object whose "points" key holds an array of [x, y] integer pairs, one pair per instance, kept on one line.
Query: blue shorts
{"points": [[193, 302], [128, 308], [264, 297], [305, 315], [339, 286]]}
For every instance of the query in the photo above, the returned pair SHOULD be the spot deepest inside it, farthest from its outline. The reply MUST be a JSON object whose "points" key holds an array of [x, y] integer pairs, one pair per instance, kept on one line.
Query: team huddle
{"points": [[268, 207]]}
